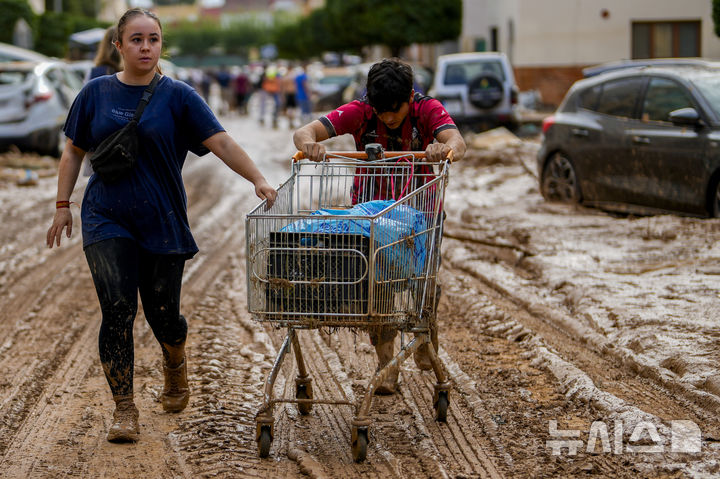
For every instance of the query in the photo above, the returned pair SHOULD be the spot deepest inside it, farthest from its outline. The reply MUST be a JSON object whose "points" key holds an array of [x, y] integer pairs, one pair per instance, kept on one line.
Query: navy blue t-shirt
{"points": [[149, 206]]}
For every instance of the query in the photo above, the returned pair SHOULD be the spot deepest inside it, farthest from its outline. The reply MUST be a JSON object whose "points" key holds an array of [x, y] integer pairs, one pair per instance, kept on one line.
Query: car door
{"points": [[672, 173], [615, 169]]}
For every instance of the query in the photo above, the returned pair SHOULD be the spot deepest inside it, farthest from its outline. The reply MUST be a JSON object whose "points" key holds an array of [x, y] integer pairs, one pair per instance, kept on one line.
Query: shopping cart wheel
{"points": [[359, 445], [301, 392], [264, 441], [441, 406]]}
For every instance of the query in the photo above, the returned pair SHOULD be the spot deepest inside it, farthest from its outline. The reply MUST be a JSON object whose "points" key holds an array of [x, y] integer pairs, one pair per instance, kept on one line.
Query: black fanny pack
{"points": [[115, 156]]}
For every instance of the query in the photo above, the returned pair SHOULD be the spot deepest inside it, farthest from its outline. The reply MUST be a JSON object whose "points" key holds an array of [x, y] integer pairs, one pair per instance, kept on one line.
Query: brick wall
{"points": [[551, 82]]}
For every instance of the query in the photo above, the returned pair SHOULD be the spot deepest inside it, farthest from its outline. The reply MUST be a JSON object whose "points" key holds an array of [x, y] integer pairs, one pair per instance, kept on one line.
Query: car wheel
{"points": [[485, 91], [559, 181]]}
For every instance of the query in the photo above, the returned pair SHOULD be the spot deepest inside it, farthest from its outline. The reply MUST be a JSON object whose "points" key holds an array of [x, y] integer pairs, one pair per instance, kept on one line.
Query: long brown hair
{"points": [[129, 15], [107, 54]]}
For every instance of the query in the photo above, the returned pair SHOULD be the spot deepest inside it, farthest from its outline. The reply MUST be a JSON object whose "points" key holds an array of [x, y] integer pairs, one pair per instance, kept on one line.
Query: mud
{"points": [[554, 320]]}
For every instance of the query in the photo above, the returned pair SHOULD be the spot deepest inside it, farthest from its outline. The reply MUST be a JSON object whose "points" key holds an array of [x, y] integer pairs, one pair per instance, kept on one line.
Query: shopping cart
{"points": [[330, 253]]}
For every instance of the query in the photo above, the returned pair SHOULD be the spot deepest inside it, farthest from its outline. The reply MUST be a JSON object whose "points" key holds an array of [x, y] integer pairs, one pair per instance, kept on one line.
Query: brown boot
{"points": [[125, 426], [176, 394], [385, 351]]}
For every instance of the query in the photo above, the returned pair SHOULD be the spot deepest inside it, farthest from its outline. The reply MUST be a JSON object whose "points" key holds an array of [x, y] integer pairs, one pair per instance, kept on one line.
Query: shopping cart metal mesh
{"points": [[309, 270]]}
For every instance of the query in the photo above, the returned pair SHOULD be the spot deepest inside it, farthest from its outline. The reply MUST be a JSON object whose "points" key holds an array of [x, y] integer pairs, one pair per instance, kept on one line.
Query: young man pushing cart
{"points": [[393, 115]]}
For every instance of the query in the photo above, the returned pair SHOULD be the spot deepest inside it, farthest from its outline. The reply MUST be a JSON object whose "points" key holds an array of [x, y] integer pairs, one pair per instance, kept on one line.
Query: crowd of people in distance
{"points": [[282, 91]]}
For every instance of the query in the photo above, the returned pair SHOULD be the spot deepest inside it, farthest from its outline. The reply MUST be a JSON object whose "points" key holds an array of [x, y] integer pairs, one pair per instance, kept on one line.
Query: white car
{"points": [[11, 53], [477, 89], [34, 101]]}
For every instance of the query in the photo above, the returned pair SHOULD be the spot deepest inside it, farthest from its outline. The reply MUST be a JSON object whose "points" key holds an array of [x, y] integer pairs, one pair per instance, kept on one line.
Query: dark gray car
{"points": [[644, 140]]}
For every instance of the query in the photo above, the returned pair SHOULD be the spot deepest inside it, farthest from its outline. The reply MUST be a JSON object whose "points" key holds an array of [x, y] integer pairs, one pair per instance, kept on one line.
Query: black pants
{"points": [[120, 269]]}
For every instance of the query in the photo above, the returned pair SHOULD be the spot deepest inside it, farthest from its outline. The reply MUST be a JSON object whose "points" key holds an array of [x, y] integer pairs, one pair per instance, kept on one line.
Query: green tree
{"points": [[12, 11], [396, 24], [193, 38], [716, 16], [85, 8], [53, 32], [241, 35]]}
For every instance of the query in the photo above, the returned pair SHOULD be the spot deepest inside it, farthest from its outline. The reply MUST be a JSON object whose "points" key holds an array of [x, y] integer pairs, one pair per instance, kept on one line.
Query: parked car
{"points": [[642, 140], [81, 68], [327, 87], [624, 64], [477, 89], [11, 53], [34, 101]]}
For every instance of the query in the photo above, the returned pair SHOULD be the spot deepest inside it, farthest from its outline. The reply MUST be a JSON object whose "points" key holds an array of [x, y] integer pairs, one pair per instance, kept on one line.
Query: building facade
{"points": [[550, 42]]}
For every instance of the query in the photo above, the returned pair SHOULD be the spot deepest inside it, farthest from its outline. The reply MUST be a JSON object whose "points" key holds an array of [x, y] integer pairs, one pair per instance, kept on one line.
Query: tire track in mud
{"points": [[603, 367], [217, 432], [404, 430], [619, 395], [41, 332]]}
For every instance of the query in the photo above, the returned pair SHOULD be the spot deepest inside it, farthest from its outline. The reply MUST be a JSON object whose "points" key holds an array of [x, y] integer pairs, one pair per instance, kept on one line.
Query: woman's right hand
{"points": [[63, 219]]}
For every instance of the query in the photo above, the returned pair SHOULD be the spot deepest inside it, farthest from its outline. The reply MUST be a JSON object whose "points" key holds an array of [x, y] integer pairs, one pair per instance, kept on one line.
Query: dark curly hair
{"points": [[389, 84]]}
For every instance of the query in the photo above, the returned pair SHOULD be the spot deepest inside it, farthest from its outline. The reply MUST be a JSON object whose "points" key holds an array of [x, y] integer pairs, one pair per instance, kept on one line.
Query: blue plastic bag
{"points": [[401, 224]]}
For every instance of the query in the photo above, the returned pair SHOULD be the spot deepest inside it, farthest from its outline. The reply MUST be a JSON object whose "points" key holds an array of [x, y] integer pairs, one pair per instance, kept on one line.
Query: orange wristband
{"points": [[62, 204]]}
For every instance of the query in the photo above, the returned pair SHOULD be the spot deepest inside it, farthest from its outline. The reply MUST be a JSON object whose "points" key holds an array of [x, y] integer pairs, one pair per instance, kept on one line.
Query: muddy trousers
{"points": [[120, 269]]}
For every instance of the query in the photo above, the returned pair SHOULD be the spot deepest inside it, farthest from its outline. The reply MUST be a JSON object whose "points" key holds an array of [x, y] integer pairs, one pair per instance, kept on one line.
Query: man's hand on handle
{"points": [[437, 152], [313, 151]]}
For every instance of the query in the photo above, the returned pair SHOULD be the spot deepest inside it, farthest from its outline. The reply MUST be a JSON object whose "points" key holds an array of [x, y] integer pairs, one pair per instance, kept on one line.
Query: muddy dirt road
{"points": [[578, 343]]}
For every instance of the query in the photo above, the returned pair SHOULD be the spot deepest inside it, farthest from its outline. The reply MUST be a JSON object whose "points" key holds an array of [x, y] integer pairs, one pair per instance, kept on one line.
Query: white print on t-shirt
{"points": [[122, 113]]}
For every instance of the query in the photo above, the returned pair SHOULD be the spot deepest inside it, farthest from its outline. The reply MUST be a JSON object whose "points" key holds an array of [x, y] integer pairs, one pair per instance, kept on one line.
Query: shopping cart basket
{"points": [[348, 243]]}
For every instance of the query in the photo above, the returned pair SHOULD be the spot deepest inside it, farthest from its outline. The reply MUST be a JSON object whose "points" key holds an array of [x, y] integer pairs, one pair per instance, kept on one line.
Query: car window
{"points": [[589, 98], [54, 76], [72, 80], [455, 75], [618, 97], [662, 97], [708, 84], [12, 78], [462, 73]]}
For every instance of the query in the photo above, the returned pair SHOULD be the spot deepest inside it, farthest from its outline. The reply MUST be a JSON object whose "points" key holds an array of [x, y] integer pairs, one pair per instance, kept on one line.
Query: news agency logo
{"points": [[685, 437]]}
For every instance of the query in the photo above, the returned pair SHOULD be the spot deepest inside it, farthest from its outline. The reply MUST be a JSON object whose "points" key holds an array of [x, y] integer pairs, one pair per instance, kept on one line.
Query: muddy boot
{"points": [[125, 426], [385, 352], [176, 394]]}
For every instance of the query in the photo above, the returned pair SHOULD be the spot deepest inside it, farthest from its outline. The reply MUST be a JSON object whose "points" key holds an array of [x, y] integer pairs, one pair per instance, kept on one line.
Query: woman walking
{"points": [[136, 235]]}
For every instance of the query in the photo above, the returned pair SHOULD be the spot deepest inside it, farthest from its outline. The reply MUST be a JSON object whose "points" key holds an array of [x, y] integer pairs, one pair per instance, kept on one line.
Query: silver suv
{"points": [[477, 89]]}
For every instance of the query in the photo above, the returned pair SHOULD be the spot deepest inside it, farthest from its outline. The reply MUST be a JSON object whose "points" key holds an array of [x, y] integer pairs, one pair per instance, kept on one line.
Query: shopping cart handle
{"points": [[361, 155]]}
